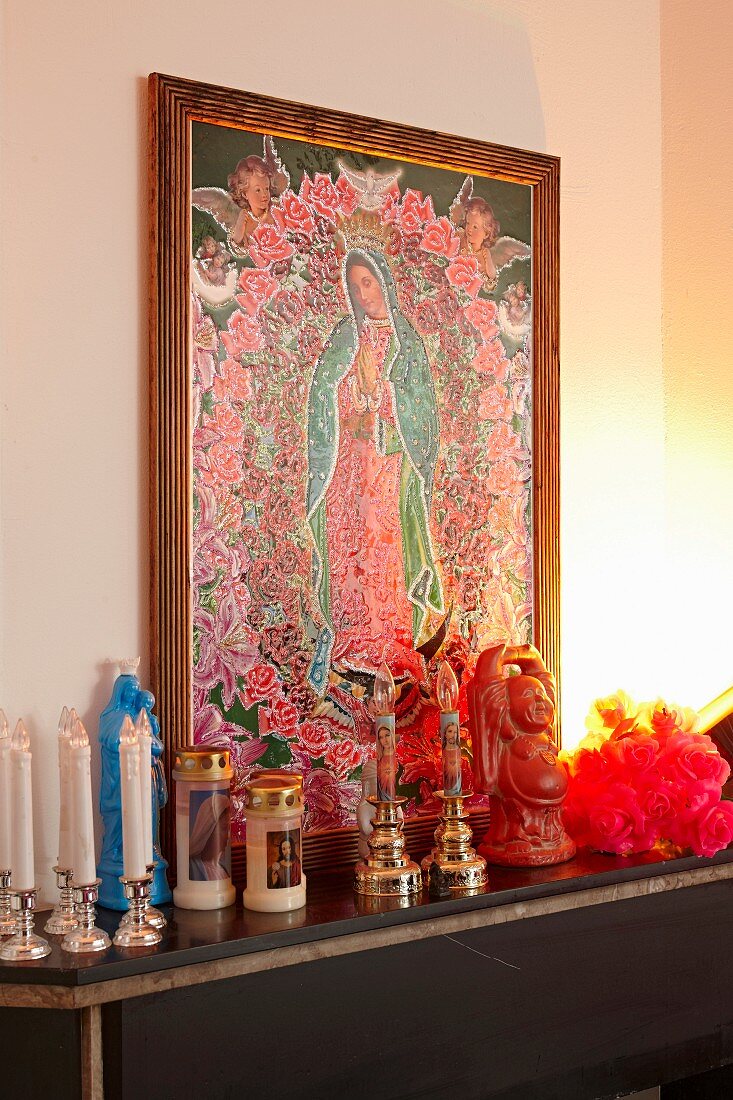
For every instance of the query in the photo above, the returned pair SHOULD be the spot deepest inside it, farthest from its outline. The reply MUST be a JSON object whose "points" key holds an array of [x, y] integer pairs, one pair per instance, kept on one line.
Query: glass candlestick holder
{"points": [[388, 869], [136, 931], [86, 936], [63, 919], [153, 916], [462, 868], [7, 920], [24, 944]]}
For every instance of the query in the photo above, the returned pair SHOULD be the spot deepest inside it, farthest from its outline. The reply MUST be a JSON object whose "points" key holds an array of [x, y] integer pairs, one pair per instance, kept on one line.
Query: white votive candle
{"points": [[21, 849], [133, 848], [82, 856]]}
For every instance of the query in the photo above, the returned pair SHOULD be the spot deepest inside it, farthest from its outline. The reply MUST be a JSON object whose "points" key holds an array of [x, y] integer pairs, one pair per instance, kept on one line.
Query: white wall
{"points": [[577, 79]]}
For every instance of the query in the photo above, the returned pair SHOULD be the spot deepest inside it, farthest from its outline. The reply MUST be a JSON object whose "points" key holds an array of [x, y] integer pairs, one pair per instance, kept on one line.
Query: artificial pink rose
{"points": [[257, 288], [283, 716], [225, 465], [321, 194], [314, 737], [259, 683], [659, 802], [415, 211], [482, 315], [234, 382], [244, 335], [692, 756], [494, 403], [267, 245], [464, 274], [713, 831], [616, 822], [342, 757], [227, 425], [633, 752], [292, 214], [491, 358], [440, 238]]}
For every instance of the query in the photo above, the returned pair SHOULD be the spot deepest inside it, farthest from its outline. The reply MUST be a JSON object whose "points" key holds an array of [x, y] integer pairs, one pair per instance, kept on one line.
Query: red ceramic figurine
{"points": [[515, 759]]}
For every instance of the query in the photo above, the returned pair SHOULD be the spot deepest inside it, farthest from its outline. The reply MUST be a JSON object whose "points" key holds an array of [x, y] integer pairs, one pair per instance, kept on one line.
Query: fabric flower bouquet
{"points": [[643, 777]]}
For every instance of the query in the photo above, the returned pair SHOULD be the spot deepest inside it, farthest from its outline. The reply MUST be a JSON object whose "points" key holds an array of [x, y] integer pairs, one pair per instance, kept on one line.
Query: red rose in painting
{"points": [[283, 716], [265, 579], [464, 274], [225, 465], [343, 757], [227, 425], [290, 306], [504, 477], [257, 288], [321, 194], [292, 214], [244, 335], [268, 246], [314, 737], [440, 238], [259, 683], [348, 196], [415, 211], [234, 382], [427, 317], [494, 404], [482, 315]]}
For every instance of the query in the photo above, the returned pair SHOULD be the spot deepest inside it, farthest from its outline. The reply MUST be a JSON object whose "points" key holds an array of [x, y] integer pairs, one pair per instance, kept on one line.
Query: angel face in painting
{"points": [[478, 230], [246, 203], [372, 448]]}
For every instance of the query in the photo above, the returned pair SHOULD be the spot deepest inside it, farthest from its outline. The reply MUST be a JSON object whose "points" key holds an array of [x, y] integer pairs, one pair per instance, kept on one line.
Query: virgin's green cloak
{"points": [[416, 438]]}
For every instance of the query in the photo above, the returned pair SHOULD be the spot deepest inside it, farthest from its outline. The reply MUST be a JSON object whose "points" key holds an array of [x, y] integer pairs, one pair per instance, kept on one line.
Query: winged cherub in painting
{"points": [[478, 231]]}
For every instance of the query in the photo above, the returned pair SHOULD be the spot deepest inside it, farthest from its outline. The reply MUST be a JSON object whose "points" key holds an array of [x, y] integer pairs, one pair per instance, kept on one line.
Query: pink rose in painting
{"points": [[259, 683], [343, 757], [494, 404], [415, 211], [464, 274], [314, 737], [321, 194], [292, 214], [503, 442], [283, 716], [289, 306], [348, 196], [257, 288], [267, 245], [504, 477], [482, 315], [440, 237], [244, 335], [234, 382], [225, 465], [491, 359], [323, 801], [227, 425]]}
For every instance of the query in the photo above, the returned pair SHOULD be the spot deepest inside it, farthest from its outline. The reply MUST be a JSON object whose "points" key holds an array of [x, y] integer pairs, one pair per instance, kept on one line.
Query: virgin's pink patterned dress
{"points": [[372, 616]]}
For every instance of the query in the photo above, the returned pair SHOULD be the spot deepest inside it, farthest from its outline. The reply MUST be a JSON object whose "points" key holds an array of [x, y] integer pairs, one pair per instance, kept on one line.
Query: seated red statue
{"points": [[515, 759]]}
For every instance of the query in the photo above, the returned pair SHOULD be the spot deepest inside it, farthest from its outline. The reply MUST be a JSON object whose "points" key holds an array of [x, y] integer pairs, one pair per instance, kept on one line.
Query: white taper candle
{"points": [[133, 848], [145, 740], [21, 849], [82, 814], [6, 817], [66, 852]]}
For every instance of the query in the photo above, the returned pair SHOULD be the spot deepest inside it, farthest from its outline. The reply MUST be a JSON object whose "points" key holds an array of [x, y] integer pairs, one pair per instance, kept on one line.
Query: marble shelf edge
{"points": [[105, 990]]}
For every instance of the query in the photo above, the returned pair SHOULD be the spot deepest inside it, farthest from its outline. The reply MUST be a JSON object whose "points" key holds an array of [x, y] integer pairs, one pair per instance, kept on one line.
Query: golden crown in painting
{"points": [[364, 229]]}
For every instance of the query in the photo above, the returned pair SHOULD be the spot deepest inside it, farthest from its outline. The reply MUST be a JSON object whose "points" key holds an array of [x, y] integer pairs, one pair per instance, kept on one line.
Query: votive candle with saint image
{"points": [[450, 731], [384, 727]]}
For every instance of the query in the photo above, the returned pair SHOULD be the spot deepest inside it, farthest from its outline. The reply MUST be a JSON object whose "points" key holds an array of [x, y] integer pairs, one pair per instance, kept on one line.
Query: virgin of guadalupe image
{"points": [[373, 442], [209, 840]]}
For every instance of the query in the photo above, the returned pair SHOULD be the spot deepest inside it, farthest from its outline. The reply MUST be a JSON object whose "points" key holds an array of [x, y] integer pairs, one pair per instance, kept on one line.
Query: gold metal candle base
{"points": [[462, 868], [389, 871]]}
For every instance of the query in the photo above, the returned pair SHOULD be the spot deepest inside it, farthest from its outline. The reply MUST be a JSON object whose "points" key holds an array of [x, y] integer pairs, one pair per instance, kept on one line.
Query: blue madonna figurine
{"points": [[127, 698]]}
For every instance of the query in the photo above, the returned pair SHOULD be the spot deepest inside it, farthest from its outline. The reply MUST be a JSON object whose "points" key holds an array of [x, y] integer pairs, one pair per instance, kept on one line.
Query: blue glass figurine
{"points": [[127, 698]]}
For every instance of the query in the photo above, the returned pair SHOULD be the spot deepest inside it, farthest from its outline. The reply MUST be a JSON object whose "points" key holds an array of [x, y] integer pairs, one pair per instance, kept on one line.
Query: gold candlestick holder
{"points": [[462, 868], [388, 870], [136, 931], [24, 944], [63, 919], [7, 920]]}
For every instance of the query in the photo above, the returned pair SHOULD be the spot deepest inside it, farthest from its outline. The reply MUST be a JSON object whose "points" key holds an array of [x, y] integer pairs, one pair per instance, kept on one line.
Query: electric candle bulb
{"points": [[65, 851], [447, 687], [21, 851], [145, 741], [450, 730], [5, 808], [82, 857], [384, 691]]}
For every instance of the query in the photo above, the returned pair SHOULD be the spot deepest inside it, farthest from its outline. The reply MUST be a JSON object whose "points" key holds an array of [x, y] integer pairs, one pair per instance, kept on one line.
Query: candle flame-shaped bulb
{"points": [[73, 717], [4, 729], [20, 739], [142, 724], [128, 733], [79, 736], [384, 691], [65, 723], [447, 688]]}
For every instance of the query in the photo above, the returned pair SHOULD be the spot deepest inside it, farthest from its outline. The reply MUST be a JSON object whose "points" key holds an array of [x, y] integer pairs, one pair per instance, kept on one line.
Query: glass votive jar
{"points": [[203, 828], [273, 806]]}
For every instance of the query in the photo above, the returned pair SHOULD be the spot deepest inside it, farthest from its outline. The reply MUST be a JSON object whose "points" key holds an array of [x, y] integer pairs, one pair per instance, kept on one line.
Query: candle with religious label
{"points": [[81, 815], [21, 798], [145, 740], [450, 730], [5, 808], [65, 853], [133, 846], [384, 725]]}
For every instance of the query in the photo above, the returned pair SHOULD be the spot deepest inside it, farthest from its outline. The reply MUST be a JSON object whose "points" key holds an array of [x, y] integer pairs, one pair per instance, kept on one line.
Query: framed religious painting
{"points": [[354, 330]]}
